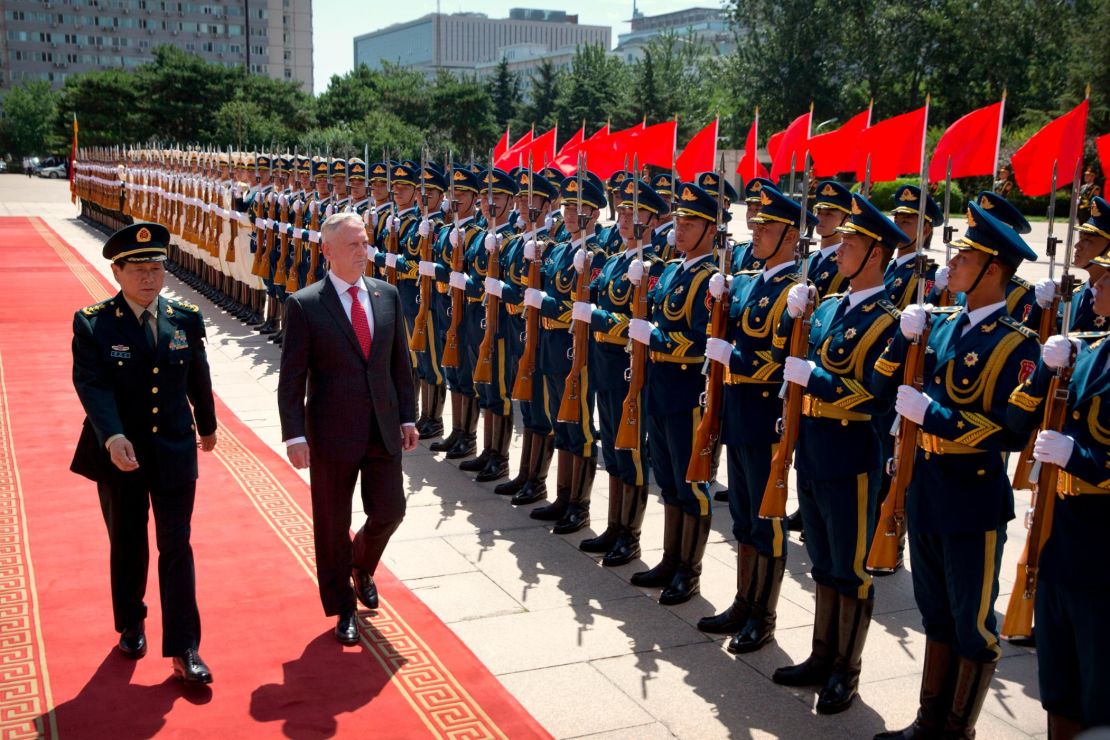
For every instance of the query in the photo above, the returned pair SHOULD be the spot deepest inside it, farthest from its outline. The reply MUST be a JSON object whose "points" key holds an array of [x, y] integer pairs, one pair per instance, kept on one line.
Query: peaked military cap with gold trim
{"points": [[707, 181], [339, 168], [434, 178], [303, 164], [1004, 211], [663, 184], [754, 186], [907, 199], [405, 175], [774, 207], [357, 168], [376, 172], [464, 179], [554, 175], [864, 218], [1099, 222], [692, 201], [284, 163], [263, 161], [540, 185], [319, 168], [617, 178], [591, 194], [833, 195], [650, 200], [140, 242], [985, 233], [503, 182]]}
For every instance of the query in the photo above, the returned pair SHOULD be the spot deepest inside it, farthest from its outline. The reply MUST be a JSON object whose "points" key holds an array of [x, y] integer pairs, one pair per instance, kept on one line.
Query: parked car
{"points": [[57, 172], [3, 165]]}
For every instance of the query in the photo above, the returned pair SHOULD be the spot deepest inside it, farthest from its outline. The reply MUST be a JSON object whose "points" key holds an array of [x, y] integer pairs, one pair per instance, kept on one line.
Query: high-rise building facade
{"points": [[708, 26], [51, 39]]}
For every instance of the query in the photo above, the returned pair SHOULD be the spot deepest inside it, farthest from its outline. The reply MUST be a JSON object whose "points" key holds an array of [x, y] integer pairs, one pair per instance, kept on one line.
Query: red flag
{"points": [[541, 149], [774, 143], [894, 146], [655, 144], [833, 152], [1102, 146], [566, 161], [699, 154], [509, 158], [749, 165], [971, 143], [1060, 142], [606, 154], [792, 147], [573, 142], [502, 146]]}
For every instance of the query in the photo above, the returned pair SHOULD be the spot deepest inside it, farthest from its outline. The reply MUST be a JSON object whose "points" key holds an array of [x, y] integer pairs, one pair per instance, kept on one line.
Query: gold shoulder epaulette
{"points": [[1017, 326], [184, 305], [950, 310], [1088, 334], [748, 272], [1021, 282], [889, 307], [93, 309]]}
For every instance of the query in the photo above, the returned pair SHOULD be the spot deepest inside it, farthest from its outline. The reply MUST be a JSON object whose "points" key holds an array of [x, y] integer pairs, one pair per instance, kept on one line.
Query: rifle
{"points": [[945, 298], [570, 408], [281, 274], [1023, 472], [391, 237], [483, 368], [314, 248], [773, 505], [262, 238], [298, 236], [628, 433], [526, 369], [419, 342], [458, 254], [887, 541], [708, 433], [1019, 612]]}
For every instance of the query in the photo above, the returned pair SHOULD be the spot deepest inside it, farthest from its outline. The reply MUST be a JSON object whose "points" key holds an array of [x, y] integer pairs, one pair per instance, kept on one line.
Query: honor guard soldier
{"points": [[675, 338], [489, 352], [960, 499], [429, 371], [575, 442], [838, 451], [262, 203], [141, 372], [532, 244], [1092, 244], [1088, 191], [461, 234], [404, 223], [612, 292], [609, 237], [743, 258], [900, 277], [832, 205], [1072, 581], [750, 411], [279, 253], [557, 227], [662, 235]]}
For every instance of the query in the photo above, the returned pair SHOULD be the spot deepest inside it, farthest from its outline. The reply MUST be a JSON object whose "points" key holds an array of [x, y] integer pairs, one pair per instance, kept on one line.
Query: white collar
{"points": [[856, 297], [977, 316], [689, 263], [826, 251], [770, 272], [463, 221], [899, 261], [659, 229], [342, 286]]}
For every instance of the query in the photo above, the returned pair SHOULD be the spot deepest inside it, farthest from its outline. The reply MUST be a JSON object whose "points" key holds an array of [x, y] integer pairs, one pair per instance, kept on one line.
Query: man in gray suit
{"points": [[345, 349]]}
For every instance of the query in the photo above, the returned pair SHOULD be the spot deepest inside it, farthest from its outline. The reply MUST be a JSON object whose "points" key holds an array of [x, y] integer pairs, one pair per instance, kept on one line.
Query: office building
{"points": [[708, 26]]}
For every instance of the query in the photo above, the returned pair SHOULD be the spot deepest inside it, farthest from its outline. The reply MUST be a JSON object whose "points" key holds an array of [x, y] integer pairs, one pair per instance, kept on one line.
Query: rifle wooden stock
{"points": [[892, 514], [264, 243], [483, 368], [458, 307], [708, 432], [1019, 611], [392, 247], [773, 505], [281, 273], [945, 298], [628, 433], [526, 369], [232, 237], [1022, 480], [570, 408], [298, 250], [419, 341]]}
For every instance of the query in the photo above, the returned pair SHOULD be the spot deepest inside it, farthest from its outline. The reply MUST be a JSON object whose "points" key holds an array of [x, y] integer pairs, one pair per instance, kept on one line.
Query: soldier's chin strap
{"points": [[863, 263], [778, 246], [982, 272]]}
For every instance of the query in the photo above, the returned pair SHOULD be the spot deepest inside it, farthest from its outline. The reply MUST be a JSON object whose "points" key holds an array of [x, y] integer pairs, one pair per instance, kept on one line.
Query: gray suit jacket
{"points": [[327, 392]]}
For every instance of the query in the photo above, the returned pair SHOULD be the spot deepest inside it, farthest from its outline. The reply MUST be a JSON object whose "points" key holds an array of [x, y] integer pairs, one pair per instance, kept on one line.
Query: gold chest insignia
{"points": [[897, 282], [680, 290], [119, 313], [1100, 321], [869, 307], [823, 276], [988, 328], [851, 333], [764, 301], [971, 359]]}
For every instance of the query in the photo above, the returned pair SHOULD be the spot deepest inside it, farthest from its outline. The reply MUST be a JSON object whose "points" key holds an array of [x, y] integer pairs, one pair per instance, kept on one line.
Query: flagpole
{"points": [[755, 154], [998, 141]]}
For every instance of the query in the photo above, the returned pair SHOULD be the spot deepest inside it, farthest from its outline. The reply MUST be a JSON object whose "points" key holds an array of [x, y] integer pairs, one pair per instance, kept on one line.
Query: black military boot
{"points": [[577, 514], [535, 488], [478, 463], [937, 684], [433, 426], [686, 583], [760, 627], [467, 443], [852, 624], [456, 428], [973, 681], [604, 542], [564, 471], [511, 486], [662, 574], [816, 669], [497, 466], [627, 547], [736, 615]]}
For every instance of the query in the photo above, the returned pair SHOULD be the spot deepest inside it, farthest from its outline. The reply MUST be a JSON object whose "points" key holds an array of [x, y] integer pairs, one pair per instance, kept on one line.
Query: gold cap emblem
{"points": [[828, 190], [379, 170], [856, 210], [764, 198], [524, 179], [572, 186], [357, 168], [710, 180], [143, 236], [971, 218], [688, 195], [907, 196], [399, 172], [756, 186], [460, 176]]}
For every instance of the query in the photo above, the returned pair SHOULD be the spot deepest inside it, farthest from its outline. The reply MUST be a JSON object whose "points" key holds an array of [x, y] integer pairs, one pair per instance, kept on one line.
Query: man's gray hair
{"points": [[335, 220]]}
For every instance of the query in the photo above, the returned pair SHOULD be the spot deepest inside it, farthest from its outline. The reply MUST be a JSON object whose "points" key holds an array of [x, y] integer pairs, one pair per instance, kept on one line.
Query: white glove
{"points": [[314, 237], [717, 285], [282, 200], [530, 250], [1045, 290], [912, 322], [427, 269], [534, 298], [582, 311], [366, 216], [580, 260], [796, 370], [371, 251], [1057, 351], [329, 211], [453, 238], [670, 238], [635, 272], [640, 331], [493, 242], [391, 261], [718, 350], [548, 222], [1053, 448], [457, 280], [391, 223], [493, 286], [373, 216], [940, 282], [797, 300], [425, 228], [912, 403]]}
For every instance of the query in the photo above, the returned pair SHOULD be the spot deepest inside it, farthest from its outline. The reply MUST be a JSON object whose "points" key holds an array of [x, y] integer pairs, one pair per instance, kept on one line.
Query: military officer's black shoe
{"points": [[365, 588], [132, 641], [189, 668], [432, 428], [346, 628], [474, 464], [496, 468]]}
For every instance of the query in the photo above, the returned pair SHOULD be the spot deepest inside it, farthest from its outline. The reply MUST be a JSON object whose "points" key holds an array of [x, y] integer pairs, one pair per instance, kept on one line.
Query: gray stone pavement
{"points": [[584, 651]]}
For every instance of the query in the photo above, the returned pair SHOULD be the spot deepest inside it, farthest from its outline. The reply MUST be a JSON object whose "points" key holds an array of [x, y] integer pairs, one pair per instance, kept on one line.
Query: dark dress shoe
{"points": [[838, 693], [346, 629], [432, 429], [132, 642], [365, 588], [496, 469], [447, 443], [190, 668], [573, 520]]}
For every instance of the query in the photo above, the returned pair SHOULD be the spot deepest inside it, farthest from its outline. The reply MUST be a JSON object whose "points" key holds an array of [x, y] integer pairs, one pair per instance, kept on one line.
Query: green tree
{"points": [[504, 93], [540, 106], [464, 119], [108, 107], [595, 90], [27, 115]]}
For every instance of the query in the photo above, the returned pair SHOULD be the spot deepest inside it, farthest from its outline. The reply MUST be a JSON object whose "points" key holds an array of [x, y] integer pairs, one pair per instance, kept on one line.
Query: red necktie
{"points": [[360, 322]]}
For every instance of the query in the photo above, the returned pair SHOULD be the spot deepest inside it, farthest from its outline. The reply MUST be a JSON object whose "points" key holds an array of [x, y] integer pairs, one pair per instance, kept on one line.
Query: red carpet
{"points": [[278, 670]]}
